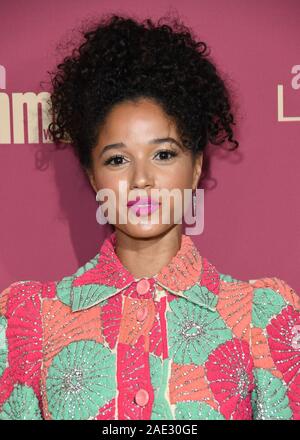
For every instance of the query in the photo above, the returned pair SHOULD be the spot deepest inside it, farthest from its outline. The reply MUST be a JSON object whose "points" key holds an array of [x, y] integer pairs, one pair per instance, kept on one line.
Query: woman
{"points": [[148, 328]]}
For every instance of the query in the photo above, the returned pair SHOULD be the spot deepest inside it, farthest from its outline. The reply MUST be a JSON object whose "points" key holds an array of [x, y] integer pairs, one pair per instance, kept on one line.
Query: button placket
{"points": [[143, 286]]}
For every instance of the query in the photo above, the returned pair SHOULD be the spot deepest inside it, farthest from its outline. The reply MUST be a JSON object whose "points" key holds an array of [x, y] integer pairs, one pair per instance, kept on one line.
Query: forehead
{"points": [[137, 121]]}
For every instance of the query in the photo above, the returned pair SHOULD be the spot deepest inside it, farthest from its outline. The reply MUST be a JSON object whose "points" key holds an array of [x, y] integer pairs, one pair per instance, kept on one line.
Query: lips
{"points": [[143, 202], [143, 206]]}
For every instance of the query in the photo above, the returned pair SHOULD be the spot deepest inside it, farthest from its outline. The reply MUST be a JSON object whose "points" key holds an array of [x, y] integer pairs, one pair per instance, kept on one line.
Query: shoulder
{"points": [[32, 293], [274, 295], [260, 301], [25, 294], [262, 288]]}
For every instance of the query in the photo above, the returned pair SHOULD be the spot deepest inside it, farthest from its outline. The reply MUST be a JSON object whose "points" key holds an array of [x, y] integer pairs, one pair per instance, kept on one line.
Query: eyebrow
{"points": [[152, 141]]}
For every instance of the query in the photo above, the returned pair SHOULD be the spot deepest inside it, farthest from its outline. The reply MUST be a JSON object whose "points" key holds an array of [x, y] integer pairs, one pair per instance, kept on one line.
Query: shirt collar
{"points": [[187, 275]]}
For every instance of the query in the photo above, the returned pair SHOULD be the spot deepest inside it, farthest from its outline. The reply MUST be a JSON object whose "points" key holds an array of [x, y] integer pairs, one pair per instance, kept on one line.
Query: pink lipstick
{"points": [[143, 206]]}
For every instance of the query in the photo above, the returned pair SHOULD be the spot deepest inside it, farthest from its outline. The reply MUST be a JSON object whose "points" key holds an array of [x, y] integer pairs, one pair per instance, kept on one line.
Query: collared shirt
{"points": [[189, 343]]}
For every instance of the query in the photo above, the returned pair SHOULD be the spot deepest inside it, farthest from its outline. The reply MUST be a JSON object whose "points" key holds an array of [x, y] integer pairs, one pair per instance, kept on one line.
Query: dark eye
{"points": [[114, 158], [165, 154]]}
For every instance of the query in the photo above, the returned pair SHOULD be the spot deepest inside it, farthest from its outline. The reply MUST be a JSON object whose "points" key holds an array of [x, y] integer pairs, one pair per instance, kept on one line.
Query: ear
{"points": [[198, 160]]}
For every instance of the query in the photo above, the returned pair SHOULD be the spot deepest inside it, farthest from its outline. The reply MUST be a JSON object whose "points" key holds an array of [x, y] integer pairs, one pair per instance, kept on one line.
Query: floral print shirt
{"points": [[188, 343]]}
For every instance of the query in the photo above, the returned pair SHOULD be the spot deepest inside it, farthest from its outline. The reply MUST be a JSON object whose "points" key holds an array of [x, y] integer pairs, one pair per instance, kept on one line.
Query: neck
{"points": [[137, 254]]}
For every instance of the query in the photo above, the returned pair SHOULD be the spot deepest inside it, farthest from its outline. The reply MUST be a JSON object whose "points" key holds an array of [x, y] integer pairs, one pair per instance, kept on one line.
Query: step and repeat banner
{"points": [[48, 224]]}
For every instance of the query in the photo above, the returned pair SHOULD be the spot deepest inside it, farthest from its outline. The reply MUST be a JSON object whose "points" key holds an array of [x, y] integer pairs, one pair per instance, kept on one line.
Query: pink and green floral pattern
{"points": [[80, 380], [189, 343]]}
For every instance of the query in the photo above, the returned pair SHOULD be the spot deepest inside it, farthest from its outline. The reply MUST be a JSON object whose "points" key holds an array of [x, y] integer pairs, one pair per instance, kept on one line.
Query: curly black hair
{"points": [[123, 59]]}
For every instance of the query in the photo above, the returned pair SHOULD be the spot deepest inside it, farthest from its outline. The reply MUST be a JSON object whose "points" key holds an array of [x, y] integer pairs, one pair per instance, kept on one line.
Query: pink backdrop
{"points": [[48, 225]]}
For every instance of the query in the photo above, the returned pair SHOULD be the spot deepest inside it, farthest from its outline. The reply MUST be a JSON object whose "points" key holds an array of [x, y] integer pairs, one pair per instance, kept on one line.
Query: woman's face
{"points": [[140, 163]]}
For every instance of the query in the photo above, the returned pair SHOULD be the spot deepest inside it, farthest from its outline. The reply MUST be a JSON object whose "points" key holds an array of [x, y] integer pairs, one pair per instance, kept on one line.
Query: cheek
{"points": [[105, 179], [177, 178], [118, 185]]}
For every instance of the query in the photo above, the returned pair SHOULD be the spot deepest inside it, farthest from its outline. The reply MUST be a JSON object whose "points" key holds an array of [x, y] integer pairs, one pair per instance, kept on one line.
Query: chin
{"points": [[143, 230]]}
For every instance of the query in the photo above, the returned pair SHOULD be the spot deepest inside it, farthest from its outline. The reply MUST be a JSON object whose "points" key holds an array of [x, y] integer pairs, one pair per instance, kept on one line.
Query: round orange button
{"points": [[143, 287], [141, 398], [141, 314]]}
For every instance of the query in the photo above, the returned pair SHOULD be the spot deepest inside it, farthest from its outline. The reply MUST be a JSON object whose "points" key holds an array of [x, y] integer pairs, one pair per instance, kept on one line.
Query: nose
{"points": [[142, 176]]}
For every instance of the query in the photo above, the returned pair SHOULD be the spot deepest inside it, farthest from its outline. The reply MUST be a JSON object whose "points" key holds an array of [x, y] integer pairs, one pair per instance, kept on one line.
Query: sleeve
{"points": [[275, 347], [20, 351]]}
